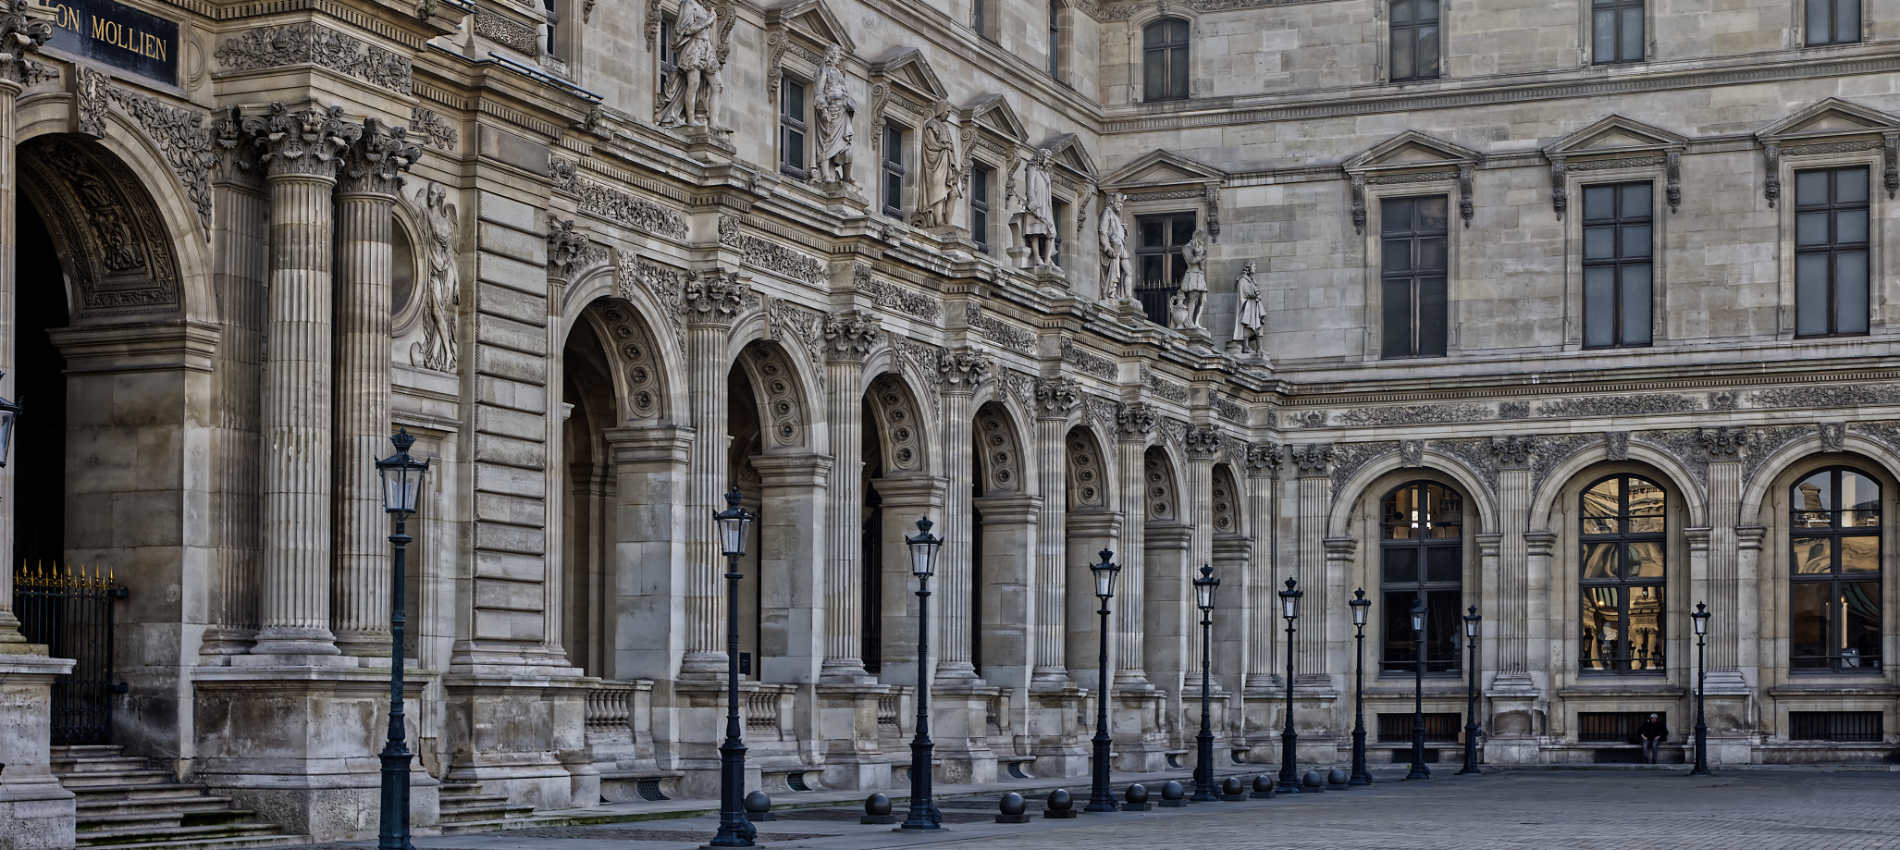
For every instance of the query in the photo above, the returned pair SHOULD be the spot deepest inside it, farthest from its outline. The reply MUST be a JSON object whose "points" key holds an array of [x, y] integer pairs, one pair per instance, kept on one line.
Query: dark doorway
{"points": [[38, 454], [871, 604]]}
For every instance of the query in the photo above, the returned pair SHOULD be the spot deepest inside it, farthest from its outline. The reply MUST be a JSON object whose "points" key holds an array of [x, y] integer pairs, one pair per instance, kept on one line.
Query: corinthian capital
{"points": [[307, 142], [849, 336], [1313, 460], [1134, 421], [21, 32], [566, 244], [1263, 459], [713, 297], [1201, 441], [375, 161], [1055, 397], [963, 370]]}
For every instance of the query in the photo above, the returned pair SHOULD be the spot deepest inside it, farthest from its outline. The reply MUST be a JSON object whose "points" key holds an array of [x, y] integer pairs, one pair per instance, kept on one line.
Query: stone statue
{"points": [[1117, 269], [694, 86], [942, 182], [832, 111], [1194, 282], [1247, 312], [1178, 315], [438, 349], [1039, 212]]}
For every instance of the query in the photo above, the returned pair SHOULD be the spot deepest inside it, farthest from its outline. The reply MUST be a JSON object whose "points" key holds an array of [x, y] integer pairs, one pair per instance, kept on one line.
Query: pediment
{"points": [[1160, 167], [1413, 149], [1613, 135], [991, 112], [812, 19], [1830, 117], [907, 69], [1065, 149]]}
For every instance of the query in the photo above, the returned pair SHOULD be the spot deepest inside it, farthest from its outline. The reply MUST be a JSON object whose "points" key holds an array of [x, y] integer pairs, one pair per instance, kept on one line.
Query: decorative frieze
{"points": [[1413, 414], [180, 135], [1230, 410], [1552, 451], [667, 285], [1685, 445], [627, 210], [1007, 335], [1629, 405], [1163, 387], [507, 32], [307, 43], [899, 299], [770, 256], [434, 130], [1762, 443], [1087, 361], [1479, 455], [1347, 458]]}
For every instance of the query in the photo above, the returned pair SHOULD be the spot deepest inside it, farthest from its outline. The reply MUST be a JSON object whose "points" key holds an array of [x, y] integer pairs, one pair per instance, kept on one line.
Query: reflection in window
{"points": [[1164, 60], [1622, 576], [1421, 556], [1831, 251], [1413, 264], [1414, 40], [1158, 243], [1834, 548]]}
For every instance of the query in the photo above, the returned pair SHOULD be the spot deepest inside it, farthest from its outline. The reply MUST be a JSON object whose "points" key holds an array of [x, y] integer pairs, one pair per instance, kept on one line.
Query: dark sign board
{"points": [[120, 36]]}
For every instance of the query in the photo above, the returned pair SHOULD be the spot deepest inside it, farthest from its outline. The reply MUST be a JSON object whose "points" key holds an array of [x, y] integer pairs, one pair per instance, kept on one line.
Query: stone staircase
{"points": [[464, 808], [122, 802]]}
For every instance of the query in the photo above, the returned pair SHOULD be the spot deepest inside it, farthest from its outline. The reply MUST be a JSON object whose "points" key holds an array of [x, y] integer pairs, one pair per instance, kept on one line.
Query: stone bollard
{"points": [[1060, 805], [1336, 779], [877, 809], [1232, 790], [1262, 787], [1312, 782], [758, 807], [1011, 809], [1135, 799], [1173, 796]]}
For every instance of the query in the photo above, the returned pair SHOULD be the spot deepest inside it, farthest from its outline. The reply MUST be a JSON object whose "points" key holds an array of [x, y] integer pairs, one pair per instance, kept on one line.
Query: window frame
{"points": [[799, 124], [1171, 53], [1835, 611], [664, 55], [1169, 254], [893, 164], [1392, 39], [982, 177], [1618, 221], [1833, 248], [1807, 33], [1054, 45], [1414, 274], [1591, 7], [1622, 584], [1422, 586]]}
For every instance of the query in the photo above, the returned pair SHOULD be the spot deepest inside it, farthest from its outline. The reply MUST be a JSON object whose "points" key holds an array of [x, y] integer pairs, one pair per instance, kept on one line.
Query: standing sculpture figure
{"points": [[438, 349], [943, 174], [695, 80], [1117, 268], [833, 110], [1039, 211], [1247, 312], [1194, 282]]}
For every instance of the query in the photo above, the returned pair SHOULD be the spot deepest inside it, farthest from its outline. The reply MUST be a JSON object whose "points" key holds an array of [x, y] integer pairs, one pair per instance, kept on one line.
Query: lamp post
{"points": [[1360, 607], [1204, 742], [735, 830], [923, 562], [1418, 771], [1289, 742], [1701, 620], [1101, 799], [402, 480], [1472, 620]]}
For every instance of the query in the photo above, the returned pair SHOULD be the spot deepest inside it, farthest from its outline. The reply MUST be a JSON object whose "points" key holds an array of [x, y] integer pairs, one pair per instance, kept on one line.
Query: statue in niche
{"points": [[1194, 283], [1039, 211], [942, 181], [442, 292], [1117, 269], [833, 110], [694, 87], [1248, 316]]}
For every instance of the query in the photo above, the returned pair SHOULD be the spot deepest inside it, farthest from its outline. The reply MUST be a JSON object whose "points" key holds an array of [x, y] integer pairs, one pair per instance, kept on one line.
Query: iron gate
{"points": [[70, 610]]}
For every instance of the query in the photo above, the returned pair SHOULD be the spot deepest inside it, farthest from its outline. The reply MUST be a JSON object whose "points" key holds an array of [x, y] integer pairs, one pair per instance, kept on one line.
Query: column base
{"points": [[36, 812], [1135, 725], [846, 730], [297, 642], [703, 665], [1056, 735], [36, 815], [960, 725]]}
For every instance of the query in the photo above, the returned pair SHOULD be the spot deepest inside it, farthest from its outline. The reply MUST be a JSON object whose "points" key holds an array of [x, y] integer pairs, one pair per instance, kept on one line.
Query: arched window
{"points": [[1421, 556], [1834, 597], [1623, 538], [1164, 60]]}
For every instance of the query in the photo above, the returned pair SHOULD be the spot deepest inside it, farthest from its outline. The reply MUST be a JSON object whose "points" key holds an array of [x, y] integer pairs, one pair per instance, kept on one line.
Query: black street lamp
{"points": [[1101, 799], [1360, 607], [1701, 620], [1418, 771], [923, 562], [1289, 742], [735, 830], [402, 481], [1472, 619], [1204, 742]]}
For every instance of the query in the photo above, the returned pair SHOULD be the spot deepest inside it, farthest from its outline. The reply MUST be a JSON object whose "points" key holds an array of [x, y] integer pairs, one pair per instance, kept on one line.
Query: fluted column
{"points": [[1134, 422], [712, 300], [1263, 468], [961, 374], [1202, 443], [1512, 609], [366, 201], [1723, 446], [1543, 645], [301, 150], [1314, 461], [1055, 397], [23, 33], [848, 338]]}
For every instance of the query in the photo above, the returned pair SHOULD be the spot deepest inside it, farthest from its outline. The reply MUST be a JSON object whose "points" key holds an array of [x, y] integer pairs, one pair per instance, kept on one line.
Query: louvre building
{"points": [[1577, 316]]}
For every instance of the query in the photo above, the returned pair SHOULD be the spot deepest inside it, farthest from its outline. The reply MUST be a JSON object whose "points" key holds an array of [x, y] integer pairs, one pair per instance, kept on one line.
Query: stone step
{"points": [[142, 776], [97, 764], [221, 843], [183, 799], [122, 835], [140, 791], [85, 750], [473, 800], [92, 822]]}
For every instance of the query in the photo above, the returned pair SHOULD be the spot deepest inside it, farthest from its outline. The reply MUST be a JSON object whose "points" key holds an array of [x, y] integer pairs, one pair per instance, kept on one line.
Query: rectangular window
{"points": [[791, 127], [1832, 22], [1061, 211], [1617, 269], [1413, 263], [1055, 41], [1837, 726], [1616, 31], [893, 170], [668, 62], [1831, 251], [980, 207], [1614, 726], [979, 17], [1440, 727], [1159, 268], [1414, 40]]}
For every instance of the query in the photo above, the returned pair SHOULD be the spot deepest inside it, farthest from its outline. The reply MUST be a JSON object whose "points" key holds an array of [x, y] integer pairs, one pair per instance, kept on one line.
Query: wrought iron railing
{"points": [[70, 610]]}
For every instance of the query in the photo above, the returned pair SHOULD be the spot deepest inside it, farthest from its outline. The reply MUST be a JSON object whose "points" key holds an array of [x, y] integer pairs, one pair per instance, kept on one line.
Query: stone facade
{"points": [[618, 283]]}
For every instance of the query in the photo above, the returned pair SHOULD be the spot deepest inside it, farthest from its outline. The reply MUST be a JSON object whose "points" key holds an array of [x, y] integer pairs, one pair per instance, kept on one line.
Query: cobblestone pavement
{"points": [[1757, 809]]}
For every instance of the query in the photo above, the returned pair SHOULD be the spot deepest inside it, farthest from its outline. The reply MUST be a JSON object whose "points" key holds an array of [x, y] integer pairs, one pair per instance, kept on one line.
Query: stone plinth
{"points": [[847, 733], [1055, 728], [701, 710], [35, 810], [959, 724], [1516, 721], [1136, 723]]}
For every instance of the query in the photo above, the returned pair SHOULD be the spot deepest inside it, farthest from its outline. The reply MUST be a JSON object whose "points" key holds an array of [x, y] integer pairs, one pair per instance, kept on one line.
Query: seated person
{"points": [[1652, 732]]}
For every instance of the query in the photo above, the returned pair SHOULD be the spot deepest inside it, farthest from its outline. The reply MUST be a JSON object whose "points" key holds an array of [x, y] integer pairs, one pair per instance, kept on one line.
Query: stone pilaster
{"points": [[1512, 608], [21, 32], [961, 373], [1748, 544], [302, 150], [1723, 447], [1263, 469], [366, 200], [711, 301], [1314, 463], [1055, 397], [848, 338], [1134, 422], [1203, 443]]}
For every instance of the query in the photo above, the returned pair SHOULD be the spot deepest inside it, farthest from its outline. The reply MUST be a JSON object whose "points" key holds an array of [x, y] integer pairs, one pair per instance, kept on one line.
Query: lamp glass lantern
{"points": [[1418, 615], [1105, 572], [1700, 618], [1472, 619], [923, 549], [401, 472], [733, 523], [1290, 600], [1360, 606], [1204, 588]]}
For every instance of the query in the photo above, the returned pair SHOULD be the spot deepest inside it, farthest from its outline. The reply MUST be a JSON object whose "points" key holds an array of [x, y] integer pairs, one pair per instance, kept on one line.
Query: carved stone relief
{"points": [[769, 256], [308, 43], [439, 349]]}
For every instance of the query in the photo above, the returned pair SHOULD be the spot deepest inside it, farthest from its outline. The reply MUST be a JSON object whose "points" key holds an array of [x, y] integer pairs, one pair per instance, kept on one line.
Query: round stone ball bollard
{"points": [[1336, 779], [1232, 790], [1135, 799], [1173, 795], [1262, 787], [758, 807], [1059, 805], [1313, 782], [1012, 809], [877, 809]]}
